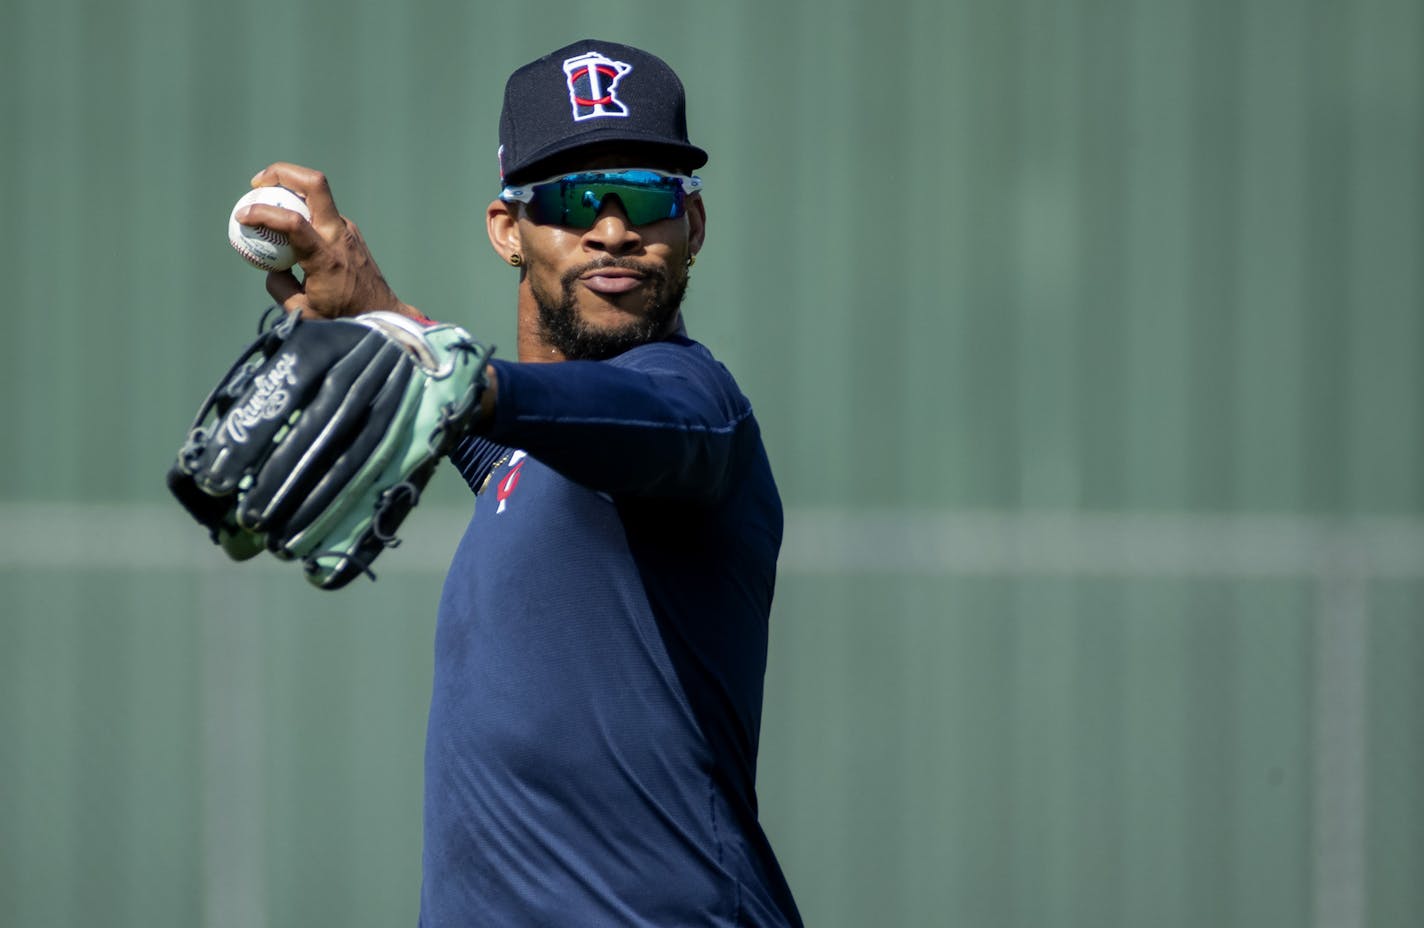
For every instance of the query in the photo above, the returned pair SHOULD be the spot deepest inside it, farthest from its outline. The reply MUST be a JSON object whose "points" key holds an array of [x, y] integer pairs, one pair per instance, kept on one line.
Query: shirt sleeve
{"points": [[664, 419], [475, 457]]}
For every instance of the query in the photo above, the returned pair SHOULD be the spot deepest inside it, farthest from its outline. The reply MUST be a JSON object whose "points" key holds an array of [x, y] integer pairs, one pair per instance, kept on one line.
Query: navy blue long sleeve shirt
{"points": [[599, 656]]}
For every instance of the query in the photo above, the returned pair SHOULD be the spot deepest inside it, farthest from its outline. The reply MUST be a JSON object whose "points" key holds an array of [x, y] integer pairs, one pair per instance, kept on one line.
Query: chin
{"points": [[614, 310], [587, 325]]}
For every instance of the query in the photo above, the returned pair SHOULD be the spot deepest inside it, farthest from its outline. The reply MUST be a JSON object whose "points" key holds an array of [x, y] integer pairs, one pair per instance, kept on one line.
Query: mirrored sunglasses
{"points": [[575, 200]]}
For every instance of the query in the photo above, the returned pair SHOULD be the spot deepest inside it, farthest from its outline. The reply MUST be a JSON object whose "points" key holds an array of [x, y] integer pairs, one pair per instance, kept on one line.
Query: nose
{"points": [[611, 231]]}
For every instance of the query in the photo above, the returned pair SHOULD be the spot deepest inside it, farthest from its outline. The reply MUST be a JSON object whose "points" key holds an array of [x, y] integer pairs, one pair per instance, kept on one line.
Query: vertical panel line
{"points": [[1340, 760]]}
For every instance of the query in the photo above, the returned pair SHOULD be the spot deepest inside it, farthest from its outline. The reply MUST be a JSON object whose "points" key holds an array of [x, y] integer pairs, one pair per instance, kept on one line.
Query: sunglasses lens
{"points": [[577, 199]]}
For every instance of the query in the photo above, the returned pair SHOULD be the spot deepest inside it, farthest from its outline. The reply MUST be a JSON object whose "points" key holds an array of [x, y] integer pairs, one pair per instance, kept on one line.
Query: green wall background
{"points": [[1085, 337]]}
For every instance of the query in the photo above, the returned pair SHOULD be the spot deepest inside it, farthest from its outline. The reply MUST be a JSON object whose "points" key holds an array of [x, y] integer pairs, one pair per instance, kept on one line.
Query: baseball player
{"points": [[602, 634]]}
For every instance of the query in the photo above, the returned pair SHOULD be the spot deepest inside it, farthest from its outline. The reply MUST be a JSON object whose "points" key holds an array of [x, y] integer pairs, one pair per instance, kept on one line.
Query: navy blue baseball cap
{"points": [[589, 96]]}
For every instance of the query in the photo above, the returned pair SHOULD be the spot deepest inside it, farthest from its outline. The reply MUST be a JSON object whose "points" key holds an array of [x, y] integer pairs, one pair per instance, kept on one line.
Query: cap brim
{"points": [[563, 155]]}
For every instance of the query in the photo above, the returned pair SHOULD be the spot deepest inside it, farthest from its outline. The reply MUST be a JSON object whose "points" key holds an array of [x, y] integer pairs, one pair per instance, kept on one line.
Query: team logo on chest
{"points": [[593, 85], [505, 488]]}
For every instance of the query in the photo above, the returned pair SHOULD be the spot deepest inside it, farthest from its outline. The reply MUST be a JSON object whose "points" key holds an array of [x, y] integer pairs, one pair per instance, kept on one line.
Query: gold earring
{"points": [[691, 260], [515, 260]]}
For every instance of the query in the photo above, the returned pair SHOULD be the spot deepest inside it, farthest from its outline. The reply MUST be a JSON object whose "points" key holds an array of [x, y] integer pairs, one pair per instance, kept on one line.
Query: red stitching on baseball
{"points": [[262, 261]]}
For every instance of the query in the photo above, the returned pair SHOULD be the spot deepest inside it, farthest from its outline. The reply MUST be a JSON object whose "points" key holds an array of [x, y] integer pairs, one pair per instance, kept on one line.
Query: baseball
{"points": [[261, 246]]}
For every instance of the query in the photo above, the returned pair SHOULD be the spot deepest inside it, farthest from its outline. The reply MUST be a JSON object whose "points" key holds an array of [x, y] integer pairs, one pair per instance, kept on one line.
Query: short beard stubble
{"points": [[563, 328]]}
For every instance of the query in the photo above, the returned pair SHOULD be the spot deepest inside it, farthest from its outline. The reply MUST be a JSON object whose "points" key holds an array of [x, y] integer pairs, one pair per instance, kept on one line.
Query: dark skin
{"points": [[341, 278], [548, 251]]}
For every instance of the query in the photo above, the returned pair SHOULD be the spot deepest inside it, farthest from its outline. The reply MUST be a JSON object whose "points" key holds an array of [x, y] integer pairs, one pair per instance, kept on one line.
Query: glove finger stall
{"points": [[284, 384], [326, 429], [344, 482]]}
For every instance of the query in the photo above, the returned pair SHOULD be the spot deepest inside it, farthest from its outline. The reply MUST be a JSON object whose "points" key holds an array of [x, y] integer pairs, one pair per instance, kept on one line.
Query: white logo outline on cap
{"points": [[603, 98]]}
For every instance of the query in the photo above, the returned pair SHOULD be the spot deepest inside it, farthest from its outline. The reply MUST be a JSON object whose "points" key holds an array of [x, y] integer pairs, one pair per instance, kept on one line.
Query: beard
{"points": [[564, 329]]}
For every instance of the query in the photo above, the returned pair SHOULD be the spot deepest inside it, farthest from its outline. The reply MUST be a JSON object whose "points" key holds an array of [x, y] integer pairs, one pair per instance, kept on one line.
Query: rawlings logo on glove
{"points": [[320, 439], [268, 401]]}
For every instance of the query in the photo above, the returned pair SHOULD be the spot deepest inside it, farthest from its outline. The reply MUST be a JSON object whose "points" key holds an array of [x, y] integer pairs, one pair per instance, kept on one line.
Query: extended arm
{"points": [[661, 420]]}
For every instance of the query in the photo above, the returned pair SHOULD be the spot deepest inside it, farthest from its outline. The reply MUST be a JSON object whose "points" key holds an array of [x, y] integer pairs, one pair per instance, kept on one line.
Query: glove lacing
{"points": [[387, 538]]}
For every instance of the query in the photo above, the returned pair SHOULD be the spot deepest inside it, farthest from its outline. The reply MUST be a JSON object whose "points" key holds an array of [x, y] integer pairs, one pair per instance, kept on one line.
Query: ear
{"points": [[502, 223], [696, 224]]}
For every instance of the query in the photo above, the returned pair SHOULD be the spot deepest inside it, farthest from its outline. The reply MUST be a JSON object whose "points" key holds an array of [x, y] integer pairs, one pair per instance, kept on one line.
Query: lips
{"points": [[612, 280]]}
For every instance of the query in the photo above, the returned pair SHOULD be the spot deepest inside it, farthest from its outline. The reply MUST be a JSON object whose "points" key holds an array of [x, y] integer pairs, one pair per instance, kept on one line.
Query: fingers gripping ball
{"points": [[265, 248], [320, 439]]}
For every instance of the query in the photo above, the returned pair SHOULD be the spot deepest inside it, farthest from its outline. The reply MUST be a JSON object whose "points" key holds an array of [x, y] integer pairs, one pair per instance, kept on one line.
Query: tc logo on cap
{"points": [[593, 85]]}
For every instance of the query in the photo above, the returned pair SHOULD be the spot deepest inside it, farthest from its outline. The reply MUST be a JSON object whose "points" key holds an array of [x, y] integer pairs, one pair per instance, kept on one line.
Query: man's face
{"points": [[602, 290]]}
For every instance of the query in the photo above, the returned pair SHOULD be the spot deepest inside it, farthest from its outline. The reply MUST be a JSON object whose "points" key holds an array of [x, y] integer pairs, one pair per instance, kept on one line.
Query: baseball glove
{"points": [[319, 440]]}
